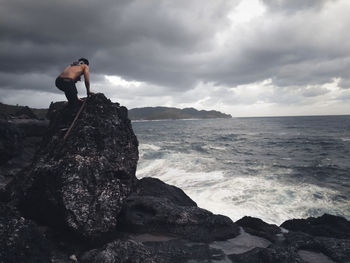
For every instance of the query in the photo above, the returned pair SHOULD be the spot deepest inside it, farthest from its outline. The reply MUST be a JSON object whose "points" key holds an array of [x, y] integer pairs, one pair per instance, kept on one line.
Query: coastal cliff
{"points": [[78, 200], [166, 113]]}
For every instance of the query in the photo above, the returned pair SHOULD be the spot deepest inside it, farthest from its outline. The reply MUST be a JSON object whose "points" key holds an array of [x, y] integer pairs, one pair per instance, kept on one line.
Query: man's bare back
{"points": [[75, 71], [70, 75]]}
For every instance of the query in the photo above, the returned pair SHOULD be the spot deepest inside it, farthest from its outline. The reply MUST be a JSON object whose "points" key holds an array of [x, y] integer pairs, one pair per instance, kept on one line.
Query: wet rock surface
{"points": [[256, 226], [79, 201], [241, 244]]}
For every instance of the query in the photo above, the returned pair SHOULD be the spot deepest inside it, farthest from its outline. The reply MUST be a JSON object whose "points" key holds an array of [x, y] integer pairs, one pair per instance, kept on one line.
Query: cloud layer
{"points": [[271, 54]]}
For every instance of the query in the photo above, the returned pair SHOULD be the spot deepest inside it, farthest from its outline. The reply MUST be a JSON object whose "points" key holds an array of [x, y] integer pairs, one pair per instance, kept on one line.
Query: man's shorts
{"points": [[68, 86]]}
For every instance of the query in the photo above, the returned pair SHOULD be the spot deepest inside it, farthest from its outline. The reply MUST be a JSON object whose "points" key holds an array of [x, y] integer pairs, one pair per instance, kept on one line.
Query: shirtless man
{"points": [[67, 79]]}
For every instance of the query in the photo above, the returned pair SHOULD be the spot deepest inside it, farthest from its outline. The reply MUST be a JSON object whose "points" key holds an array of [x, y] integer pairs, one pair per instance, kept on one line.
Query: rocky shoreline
{"points": [[79, 201]]}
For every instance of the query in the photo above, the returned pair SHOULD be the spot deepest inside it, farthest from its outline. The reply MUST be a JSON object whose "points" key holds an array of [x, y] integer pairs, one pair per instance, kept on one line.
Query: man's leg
{"points": [[69, 89], [72, 94]]}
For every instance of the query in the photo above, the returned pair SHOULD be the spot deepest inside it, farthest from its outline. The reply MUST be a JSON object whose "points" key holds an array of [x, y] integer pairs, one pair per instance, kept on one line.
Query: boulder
{"points": [[257, 227], [148, 186], [326, 226], [80, 184], [169, 210]]}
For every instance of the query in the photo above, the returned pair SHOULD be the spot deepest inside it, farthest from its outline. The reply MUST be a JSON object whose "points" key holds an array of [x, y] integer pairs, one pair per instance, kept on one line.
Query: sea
{"points": [[273, 168]]}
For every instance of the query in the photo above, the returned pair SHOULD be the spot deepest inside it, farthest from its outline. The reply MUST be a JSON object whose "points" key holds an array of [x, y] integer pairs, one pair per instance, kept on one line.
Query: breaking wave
{"points": [[252, 167]]}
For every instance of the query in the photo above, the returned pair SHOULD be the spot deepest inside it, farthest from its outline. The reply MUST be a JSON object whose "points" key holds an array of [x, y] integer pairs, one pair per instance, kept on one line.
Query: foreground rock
{"points": [[22, 241], [80, 183], [256, 226], [326, 226], [166, 209], [293, 247], [172, 251], [121, 251]]}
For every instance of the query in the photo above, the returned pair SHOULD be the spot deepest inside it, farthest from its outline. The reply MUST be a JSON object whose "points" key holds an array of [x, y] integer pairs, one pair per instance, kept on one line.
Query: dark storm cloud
{"points": [[172, 46], [27, 81], [143, 40], [304, 49]]}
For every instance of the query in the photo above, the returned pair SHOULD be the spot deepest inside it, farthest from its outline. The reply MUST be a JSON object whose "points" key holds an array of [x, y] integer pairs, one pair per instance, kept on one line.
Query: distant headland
{"points": [[163, 113], [145, 113]]}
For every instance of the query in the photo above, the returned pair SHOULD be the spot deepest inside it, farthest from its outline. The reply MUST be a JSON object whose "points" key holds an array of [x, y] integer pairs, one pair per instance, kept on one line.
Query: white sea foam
{"points": [[262, 196], [161, 169], [270, 200], [214, 147], [144, 146]]}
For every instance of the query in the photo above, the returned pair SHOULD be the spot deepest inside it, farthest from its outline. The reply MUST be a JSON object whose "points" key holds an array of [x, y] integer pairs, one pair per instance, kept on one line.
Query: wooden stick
{"points": [[75, 119]]}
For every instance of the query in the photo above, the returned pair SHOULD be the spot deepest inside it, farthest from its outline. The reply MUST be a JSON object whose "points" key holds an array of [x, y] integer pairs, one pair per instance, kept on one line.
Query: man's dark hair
{"points": [[84, 60]]}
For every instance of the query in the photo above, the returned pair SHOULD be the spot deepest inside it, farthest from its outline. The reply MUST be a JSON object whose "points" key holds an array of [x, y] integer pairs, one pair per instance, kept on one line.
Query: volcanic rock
{"points": [[257, 227], [326, 226], [172, 251], [81, 183], [268, 255], [172, 212], [336, 249], [154, 187], [20, 239], [121, 251]]}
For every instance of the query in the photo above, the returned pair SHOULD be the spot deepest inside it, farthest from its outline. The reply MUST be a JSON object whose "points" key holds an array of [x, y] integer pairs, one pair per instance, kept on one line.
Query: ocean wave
{"points": [[255, 167], [145, 146], [266, 197]]}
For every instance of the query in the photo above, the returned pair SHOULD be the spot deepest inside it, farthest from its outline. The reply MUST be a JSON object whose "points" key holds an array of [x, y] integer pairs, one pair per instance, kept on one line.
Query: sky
{"points": [[242, 57]]}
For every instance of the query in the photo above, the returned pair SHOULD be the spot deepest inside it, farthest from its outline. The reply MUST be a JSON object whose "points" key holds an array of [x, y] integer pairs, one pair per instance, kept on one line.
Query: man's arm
{"points": [[87, 79]]}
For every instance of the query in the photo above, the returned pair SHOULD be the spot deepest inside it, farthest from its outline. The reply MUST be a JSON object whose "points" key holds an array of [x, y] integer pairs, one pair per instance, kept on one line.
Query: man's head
{"points": [[84, 60]]}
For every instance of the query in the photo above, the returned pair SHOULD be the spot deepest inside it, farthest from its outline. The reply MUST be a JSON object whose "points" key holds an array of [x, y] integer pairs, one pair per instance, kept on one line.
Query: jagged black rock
{"points": [[81, 183]]}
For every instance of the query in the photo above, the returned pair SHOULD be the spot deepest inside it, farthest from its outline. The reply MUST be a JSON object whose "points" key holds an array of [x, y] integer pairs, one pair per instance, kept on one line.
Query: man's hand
{"points": [[90, 93]]}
